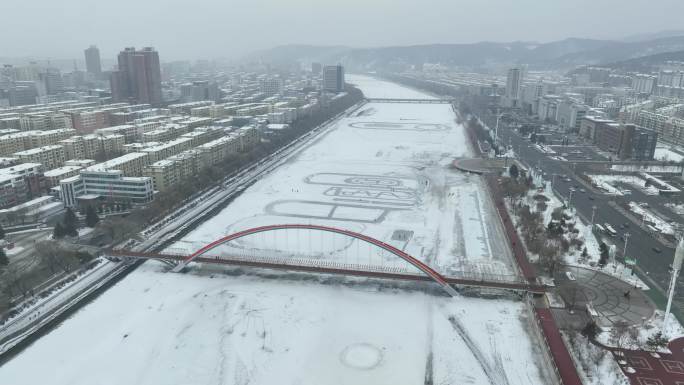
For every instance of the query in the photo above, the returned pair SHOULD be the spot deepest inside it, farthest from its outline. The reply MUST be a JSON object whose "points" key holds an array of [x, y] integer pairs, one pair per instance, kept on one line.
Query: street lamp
{"points": [[593, 212], [676, 267], [624, 251], [570, 198]]}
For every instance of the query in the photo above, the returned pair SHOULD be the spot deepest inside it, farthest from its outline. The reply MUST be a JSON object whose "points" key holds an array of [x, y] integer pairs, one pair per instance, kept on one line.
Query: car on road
{"points": [[657, 249], [568, 180], [583, 190], [591, 198]]}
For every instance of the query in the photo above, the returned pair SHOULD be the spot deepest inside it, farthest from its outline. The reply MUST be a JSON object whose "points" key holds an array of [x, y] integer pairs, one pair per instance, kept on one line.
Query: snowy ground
{"points": [[161, 328], [376, 88], [660, 224], [609, 183], [667, 155]]}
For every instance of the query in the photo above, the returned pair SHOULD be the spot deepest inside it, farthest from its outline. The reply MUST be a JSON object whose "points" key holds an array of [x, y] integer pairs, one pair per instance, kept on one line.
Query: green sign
{"points": [[630, 261]]}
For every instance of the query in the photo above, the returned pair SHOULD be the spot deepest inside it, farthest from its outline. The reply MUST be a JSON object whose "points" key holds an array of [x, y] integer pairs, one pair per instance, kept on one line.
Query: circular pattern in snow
{"points": [[361, 356]]}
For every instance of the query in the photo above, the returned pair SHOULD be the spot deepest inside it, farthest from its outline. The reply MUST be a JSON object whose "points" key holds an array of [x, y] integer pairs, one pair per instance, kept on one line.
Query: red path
{"points": [[564, 364], [519, 252]]}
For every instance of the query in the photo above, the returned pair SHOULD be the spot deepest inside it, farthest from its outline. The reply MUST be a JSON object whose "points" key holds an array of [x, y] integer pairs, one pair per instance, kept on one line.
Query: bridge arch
{"points": [[427, 270]]}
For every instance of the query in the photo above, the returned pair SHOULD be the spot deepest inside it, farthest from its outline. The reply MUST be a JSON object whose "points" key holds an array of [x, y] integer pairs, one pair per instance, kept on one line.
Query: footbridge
{"points": [[304, 248]]}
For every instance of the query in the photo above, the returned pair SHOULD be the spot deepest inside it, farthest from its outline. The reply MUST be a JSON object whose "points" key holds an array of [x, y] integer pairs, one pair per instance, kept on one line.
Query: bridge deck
{"points": [[506, 285], [412, 101]]}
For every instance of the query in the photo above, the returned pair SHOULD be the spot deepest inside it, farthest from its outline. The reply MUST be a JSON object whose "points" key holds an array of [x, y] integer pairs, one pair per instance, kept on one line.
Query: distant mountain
{"points": [[566, 53], [292, 53], [646, 63], [653, 36]]}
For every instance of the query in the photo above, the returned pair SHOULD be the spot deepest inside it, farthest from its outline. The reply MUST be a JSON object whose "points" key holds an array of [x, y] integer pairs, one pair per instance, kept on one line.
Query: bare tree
{"points": [[619, 334]]}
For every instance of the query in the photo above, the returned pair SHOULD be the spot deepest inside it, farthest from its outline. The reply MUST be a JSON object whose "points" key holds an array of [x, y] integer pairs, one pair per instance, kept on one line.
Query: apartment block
{"points": [[170, 171], [49, 156], [202, 135], [129, 165], [46, 138], [54, 176], [212, 153]]}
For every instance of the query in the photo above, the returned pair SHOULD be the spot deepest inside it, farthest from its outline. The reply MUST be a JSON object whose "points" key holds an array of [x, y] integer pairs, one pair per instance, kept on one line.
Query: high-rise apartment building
{"points": [[333, 78], [138, 78], [92, 58], [513, 83]]}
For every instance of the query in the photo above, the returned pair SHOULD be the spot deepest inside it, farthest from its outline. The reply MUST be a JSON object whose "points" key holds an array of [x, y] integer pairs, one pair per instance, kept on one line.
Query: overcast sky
{"points": [[194, 29]]}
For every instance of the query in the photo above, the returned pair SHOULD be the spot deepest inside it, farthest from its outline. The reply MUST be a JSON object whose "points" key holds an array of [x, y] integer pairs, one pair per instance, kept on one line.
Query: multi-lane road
{"points": [[652, 265]]}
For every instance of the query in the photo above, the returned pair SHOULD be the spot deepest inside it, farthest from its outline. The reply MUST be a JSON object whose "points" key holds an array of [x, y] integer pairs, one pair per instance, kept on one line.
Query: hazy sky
{"points": [[191, 29]]}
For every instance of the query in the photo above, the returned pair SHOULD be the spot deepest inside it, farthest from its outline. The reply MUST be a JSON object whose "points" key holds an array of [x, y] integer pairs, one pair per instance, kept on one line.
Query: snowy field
{"points": [[383, 172], [161, 328]]}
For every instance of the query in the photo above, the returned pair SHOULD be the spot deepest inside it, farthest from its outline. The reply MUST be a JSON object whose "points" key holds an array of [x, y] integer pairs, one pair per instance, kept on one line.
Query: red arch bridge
{"points": [[359, 264]]}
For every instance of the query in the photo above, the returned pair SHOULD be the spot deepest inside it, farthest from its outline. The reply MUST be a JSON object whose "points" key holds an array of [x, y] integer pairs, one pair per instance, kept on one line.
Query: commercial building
{"points": [[92, 59], [591, 125], [570, 114], [627, 141], [117, 180], [107, 185], [333, 78], [138, 78]]}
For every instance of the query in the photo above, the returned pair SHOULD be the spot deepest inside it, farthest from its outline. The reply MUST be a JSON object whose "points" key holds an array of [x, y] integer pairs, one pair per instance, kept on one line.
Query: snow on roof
{"points": [[167, 144], [55, 172], [30, 203], [38, 150], [114, 163], [14, 170]]}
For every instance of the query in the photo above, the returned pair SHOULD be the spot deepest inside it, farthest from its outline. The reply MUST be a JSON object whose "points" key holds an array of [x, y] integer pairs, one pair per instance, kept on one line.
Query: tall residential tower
{"points": [[513, 84], [138, 79], [92, 58]]}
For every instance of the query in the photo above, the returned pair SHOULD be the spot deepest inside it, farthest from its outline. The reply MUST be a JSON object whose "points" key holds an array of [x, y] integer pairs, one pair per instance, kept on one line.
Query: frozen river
{"points": [[384, 172], [209, 328]]}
